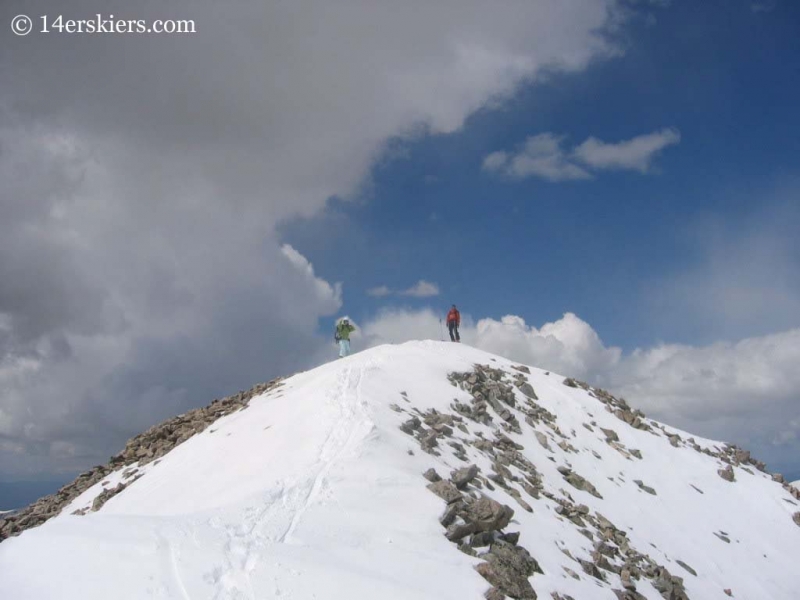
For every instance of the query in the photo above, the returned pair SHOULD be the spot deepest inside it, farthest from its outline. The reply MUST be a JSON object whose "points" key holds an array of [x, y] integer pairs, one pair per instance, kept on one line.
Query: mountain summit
{"points": [[425, 470]]}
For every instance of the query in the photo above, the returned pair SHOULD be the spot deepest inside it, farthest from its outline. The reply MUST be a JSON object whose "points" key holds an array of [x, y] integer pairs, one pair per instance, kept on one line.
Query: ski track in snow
{"points": [[247, 541]]}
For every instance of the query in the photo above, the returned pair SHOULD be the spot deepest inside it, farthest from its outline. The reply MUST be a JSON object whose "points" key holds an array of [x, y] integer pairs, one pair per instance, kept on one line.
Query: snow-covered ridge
{"points": [[317, 490]]}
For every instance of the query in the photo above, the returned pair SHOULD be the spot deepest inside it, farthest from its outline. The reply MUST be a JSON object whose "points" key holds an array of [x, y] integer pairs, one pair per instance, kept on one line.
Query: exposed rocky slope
{"points": [[425, 470]]}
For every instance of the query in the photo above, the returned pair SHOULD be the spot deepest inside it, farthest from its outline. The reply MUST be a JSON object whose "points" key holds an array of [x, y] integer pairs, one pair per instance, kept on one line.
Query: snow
{"points": [[314, 492], [796, 484]]}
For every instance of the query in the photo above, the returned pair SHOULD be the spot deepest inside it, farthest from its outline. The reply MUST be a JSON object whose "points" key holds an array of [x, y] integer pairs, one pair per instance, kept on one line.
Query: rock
{"points": [[518, 497], [636, 453], [411, 425], [488, 514], [542, 439], [591, 569], [522, 369], [458, 531], [494, 594], [503, 441], [727, 473], [511, 538], [625, 578], [527, 389], [796, 518], [582, 484], [687, 567], [428, 441], [106, 495], [644, 487], [484, 446], [431, 475], [450, 514], [462, 477], [508, 568], [445, 490], [611, 435]]}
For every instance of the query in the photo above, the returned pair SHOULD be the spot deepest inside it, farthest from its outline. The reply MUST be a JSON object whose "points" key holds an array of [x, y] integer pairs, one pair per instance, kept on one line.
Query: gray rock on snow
{"points": [[431, 475], [462, 477], [445, 490], [727, 473]]}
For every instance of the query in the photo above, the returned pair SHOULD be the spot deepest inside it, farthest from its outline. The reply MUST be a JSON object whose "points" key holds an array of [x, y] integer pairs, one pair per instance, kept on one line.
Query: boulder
{"points": [[431, 475], [611, 435], [445, 490], [462, 477], [508, 568], [488, 515], [727, 473]]}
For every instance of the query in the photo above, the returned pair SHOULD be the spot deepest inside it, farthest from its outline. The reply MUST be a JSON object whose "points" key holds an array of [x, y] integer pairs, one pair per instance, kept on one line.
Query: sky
{"points": [[608, 189]]}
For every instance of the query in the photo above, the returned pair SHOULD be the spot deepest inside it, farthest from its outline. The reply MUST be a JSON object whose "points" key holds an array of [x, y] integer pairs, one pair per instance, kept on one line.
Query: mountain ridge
{"points": [[580, 477]]}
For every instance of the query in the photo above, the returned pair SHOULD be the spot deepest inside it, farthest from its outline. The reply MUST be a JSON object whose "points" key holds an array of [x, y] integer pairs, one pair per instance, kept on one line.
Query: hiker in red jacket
{"points": [[453, 321]]}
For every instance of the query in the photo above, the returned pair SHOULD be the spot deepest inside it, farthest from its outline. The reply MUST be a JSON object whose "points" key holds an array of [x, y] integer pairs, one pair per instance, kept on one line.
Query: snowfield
{"points": [[313, 491]]}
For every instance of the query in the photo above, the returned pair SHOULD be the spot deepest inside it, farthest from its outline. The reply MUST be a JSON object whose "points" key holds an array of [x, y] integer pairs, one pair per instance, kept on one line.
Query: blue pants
{"points": [[344, 348]]}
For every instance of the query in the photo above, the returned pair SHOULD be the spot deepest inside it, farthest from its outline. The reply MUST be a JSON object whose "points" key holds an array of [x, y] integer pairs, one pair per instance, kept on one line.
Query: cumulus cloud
{"points": [[144, 178], [634, 154], [744, 391], [541, 156], [421, 289], [544, 156]]}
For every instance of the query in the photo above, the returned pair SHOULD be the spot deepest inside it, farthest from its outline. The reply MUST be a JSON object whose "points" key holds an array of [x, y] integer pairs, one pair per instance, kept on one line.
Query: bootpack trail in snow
{"points": [[427, 470]]}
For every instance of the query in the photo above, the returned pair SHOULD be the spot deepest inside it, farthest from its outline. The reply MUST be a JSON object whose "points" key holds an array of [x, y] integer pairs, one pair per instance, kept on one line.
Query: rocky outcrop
{"points": [[479, 522], [140, 450], [508, 568]]}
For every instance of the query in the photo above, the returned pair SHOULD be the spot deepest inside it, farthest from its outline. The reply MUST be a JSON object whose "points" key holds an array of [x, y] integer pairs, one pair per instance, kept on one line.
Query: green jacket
{"points": [[343, 330]]}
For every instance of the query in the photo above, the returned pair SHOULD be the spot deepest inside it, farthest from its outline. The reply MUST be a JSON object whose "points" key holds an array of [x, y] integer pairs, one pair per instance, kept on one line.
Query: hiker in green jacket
{"points": [[342, 335]]}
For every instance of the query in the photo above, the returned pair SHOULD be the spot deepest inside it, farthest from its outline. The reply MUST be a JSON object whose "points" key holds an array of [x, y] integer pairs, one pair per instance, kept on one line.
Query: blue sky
{"points": [[724, 76]]}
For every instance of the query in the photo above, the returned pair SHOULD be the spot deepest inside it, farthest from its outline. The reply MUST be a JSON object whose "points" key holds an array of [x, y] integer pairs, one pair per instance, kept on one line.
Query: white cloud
{"points": [[544, 156], [326, 294], [745, 391], [635, 154], [422, 289], [379, 291], [541, 155]]}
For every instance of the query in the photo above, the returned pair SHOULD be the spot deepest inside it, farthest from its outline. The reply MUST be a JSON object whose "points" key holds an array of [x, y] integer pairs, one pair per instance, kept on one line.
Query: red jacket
{"points": [[454, 316]]}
